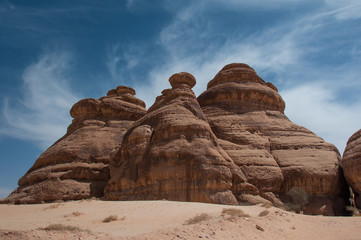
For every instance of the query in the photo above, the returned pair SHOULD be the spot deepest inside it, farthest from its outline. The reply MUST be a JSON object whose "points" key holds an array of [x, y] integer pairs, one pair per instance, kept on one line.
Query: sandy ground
{"points": [[168, 220]]}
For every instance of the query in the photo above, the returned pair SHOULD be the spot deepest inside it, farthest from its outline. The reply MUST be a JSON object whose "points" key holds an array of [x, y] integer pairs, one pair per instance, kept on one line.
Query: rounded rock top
{"points": [[178, 79], [236, 72], [240, 66], [124, 89], [120, 90]]}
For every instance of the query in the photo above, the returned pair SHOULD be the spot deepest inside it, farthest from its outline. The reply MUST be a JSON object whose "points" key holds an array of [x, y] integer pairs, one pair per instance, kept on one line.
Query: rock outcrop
{"points": [[276, 155], [231, 145], [351, 164], [171, 153], [76, 166]]}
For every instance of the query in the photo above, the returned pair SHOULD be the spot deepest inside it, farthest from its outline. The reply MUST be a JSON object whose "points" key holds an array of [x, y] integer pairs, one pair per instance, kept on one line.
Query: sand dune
{"points": [[168, 220]]}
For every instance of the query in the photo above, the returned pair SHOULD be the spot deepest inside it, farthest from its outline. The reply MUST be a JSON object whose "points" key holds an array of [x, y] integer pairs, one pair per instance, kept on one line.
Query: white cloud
{"points": [[185, 38], [281, 50], [112, 63], [346, 9], [120, 59], [273, 55], [315, 107], [41, 113]]}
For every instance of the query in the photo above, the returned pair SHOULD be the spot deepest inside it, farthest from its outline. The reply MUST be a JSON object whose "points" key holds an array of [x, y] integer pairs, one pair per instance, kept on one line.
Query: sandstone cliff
{"points": [[351, 164], [231, 145], [171, 153], [276, 155], [76, 166]]}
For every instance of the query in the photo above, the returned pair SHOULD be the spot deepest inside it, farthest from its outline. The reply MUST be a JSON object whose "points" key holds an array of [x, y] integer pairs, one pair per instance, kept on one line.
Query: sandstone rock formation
{"points": [[76, 166], [231, 145], [171, 153], [351, 164], [276, 155]]}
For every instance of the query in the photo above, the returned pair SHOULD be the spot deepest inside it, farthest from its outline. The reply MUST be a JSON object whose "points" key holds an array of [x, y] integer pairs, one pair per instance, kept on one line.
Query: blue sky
{"points": [[54, 53]]}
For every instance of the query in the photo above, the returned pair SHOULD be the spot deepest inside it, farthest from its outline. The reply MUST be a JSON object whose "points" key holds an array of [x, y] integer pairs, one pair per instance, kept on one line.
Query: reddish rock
{"points": [[76, 166], [276, 155], [171, 153], [232, 145], [351, 164]]}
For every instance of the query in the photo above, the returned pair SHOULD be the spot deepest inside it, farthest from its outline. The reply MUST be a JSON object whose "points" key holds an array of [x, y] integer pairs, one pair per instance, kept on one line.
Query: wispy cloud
{"points": [[41, 112], [113, 62], [315, 106], [123, 59], [285, 51], [265, 55], [125, 65], [343, 10], [190, 45]]}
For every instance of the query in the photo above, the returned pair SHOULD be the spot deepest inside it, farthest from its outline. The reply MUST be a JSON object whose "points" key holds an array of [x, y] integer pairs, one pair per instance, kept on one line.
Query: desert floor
{"points": [[167, 220]]}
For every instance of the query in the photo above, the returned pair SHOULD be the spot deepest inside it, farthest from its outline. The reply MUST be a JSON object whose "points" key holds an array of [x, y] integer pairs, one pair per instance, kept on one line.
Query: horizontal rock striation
{"points": [[275, 155], [351, 164], [76, 166], [231, 145], [171, 153]]}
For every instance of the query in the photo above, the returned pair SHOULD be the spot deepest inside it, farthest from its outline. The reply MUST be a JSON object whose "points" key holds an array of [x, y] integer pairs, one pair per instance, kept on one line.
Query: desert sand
{"points": [[168, 220]]}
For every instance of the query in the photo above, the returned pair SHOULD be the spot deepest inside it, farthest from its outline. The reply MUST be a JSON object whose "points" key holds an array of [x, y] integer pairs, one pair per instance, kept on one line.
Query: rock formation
{"points": [[231, 145], [276, 155], [351, 164], [76, 166], [171, 153]]}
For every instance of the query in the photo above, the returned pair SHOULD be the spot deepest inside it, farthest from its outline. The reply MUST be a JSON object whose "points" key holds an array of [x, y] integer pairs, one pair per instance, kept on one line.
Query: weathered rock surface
{"points": [[276, 155], [171, 153], [351, 164], [231, 145], [76, 166]]}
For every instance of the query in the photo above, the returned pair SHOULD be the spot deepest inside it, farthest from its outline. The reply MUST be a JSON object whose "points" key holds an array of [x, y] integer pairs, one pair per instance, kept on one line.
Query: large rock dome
{"points": [[76, 166], [276, 155]]}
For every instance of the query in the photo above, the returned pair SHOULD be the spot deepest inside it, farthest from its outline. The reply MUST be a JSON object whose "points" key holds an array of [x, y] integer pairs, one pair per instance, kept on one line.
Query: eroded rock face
{"points": [[76, 166], [276, 155], [171, 153], [232, 145], [351, 164]]}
